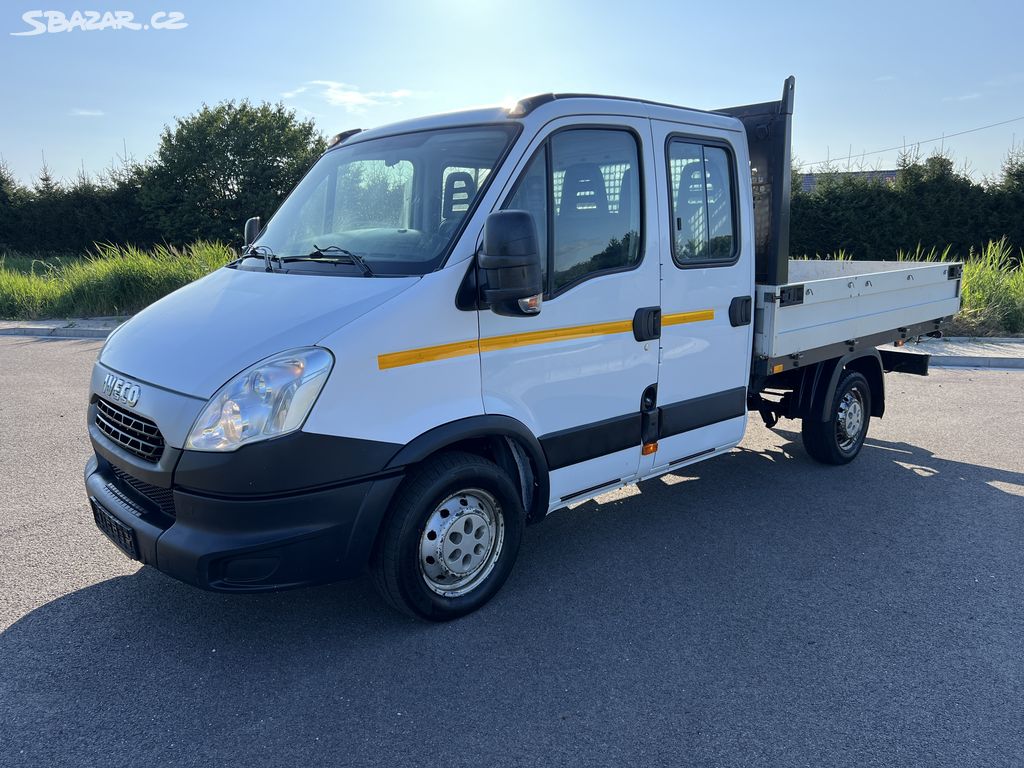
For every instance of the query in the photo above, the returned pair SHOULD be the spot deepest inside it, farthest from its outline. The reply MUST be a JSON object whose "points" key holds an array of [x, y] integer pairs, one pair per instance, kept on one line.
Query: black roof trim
{"points": [[525, 106], [338, 138]]}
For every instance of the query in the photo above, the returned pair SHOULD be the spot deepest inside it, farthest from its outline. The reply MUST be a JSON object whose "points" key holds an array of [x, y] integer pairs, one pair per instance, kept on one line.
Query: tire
{"points": [[839, 439], [450, 538]]}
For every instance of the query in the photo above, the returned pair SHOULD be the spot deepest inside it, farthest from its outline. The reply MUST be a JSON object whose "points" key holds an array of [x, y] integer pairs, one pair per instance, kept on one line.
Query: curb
{"points": [[974, 361], [989, 339], [957, 361], [57, 333]]}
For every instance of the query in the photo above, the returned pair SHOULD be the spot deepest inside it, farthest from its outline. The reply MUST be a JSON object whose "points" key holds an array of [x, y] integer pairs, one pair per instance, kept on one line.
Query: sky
{"points": [[870, 75]]}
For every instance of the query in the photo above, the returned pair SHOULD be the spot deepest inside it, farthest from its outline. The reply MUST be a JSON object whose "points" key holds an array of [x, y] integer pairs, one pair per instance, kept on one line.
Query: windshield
{"points": [[397, 202]]}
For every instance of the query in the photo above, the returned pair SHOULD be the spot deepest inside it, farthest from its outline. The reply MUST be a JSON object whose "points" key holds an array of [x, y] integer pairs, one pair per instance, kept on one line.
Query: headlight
{"points": [[270, 399]]}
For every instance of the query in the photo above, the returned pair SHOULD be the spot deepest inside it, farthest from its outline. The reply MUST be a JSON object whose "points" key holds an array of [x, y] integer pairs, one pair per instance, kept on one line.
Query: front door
{"points": [[706, 269], [575, 373]]}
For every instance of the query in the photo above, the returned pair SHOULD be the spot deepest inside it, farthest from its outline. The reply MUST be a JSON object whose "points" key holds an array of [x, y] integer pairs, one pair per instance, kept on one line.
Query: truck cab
{"points": [[456, 325]]}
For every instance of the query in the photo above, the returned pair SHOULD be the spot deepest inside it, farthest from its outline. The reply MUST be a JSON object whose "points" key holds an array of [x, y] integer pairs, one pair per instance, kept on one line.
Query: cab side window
{"points": [[596, 201], [583, 188], [702, 199], [531, 194]]}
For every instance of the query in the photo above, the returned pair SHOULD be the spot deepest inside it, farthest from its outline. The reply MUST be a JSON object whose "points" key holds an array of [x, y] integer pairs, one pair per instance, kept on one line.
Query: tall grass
{"points": [[31, 262], [992, 292], [841, 255], [111, 280]]}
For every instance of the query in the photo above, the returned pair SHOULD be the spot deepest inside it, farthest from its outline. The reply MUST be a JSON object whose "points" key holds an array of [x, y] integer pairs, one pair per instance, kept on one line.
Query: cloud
{"points": [[965, 97], [885, 78], [87, 113], [349, 97], [1008, 80]]}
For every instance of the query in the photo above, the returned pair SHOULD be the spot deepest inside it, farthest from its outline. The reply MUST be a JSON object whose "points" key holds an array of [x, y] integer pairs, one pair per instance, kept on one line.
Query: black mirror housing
{"points": [[509, 263], [252, 230]]}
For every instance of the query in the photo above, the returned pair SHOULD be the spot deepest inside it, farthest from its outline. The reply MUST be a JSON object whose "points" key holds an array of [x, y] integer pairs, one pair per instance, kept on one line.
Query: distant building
{"points": [[808, 181]]}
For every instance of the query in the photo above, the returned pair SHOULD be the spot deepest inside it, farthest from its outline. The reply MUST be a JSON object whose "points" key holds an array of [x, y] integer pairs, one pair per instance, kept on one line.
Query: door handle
{"points": [[739, 311], [647, 324]]}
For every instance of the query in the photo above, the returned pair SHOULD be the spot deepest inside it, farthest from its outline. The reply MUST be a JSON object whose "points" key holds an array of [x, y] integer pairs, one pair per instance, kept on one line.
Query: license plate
{"points": [[122, 535]]}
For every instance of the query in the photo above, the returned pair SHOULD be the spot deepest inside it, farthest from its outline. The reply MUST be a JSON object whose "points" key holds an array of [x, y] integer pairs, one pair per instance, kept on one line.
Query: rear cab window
{"points": [[702, 201]]}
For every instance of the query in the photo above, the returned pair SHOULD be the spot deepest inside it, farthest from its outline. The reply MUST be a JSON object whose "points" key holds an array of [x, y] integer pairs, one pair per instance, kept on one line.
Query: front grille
{"points": [[162, 498], [131, 431]]}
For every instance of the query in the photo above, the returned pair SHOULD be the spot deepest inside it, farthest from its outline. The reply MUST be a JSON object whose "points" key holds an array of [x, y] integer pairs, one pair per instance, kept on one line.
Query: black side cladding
{"points": [[703, 411], [769, 135], [571, 446], [654, 421]]}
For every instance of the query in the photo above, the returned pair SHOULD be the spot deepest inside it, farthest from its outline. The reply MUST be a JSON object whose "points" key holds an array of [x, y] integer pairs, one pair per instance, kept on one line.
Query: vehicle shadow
{"points": [[758, 592]]}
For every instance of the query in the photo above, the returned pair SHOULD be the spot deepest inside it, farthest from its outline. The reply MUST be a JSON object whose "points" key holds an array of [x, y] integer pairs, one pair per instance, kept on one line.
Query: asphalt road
{"points": [[757, 609]]}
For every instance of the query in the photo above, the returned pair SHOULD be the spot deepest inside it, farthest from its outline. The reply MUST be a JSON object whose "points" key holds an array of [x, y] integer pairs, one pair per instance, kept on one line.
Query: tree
{"points": [[1008, 198], [47, 185], [126, 220], [43, 221], [11, 196], [1012, 176], [222, 164]]}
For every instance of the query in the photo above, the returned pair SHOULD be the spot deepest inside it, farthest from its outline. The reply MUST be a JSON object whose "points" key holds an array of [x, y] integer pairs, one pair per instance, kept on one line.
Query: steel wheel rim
{"points": [[461, 542], [850, 419]]}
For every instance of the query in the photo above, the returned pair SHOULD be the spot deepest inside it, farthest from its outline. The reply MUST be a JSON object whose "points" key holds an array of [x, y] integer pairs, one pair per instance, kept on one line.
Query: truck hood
{"points": [[198, 337]]}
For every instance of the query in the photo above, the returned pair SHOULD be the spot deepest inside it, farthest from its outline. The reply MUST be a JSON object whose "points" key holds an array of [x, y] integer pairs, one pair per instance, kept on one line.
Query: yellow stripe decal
{"points": [[511, 340], [427, 354], [493, 343], [688, 317]]}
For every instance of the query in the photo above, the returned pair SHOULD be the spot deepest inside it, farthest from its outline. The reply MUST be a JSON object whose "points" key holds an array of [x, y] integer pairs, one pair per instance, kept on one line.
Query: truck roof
{"points": [[549, 106], [765, 126]]}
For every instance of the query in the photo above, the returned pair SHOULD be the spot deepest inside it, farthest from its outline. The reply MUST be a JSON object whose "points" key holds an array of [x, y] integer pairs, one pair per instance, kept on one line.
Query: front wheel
{"points": [[839, 439], [450, 538]]}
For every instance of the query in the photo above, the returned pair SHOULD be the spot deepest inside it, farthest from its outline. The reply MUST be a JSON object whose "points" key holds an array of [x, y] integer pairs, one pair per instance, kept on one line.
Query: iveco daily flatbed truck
{"points": [[456, 325]]}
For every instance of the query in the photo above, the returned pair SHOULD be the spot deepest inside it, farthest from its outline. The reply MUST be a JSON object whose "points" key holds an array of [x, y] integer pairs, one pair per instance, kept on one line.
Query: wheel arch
{"points": [[503, 439], [819, 383], [870, 365]]}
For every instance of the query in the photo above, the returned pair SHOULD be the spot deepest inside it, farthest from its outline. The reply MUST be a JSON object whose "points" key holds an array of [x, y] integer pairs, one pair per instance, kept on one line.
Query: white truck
{"points": [[456, 325]]}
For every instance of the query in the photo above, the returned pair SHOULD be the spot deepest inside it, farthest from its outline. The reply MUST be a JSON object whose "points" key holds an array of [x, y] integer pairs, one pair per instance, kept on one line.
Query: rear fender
{"points": [[818, 386]]}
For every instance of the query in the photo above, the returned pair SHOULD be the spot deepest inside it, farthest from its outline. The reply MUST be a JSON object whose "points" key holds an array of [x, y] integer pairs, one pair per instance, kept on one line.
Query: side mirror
{"points": [[509, 264], [253, 227]]}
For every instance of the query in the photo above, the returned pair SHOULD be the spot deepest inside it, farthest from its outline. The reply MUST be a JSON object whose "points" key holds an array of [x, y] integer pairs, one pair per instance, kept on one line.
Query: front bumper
{"points": [[299, 509], [240, 542]]}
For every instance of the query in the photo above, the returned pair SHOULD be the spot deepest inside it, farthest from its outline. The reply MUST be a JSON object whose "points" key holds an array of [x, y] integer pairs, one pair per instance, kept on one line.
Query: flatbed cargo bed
{"points": [[828, 307]]}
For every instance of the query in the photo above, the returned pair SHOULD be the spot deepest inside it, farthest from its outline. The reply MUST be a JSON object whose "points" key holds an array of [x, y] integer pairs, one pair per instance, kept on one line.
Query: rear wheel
{"points": [[450, 538], [839, 439]]}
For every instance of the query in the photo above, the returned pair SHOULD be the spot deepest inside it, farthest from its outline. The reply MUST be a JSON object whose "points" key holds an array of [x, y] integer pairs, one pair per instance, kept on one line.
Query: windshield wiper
{"points": [[332, 254], [256, 251]]}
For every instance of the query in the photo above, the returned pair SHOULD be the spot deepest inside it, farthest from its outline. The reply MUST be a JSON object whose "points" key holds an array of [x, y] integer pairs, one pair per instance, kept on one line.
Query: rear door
{"points": [[575, 373], [706, 269]]}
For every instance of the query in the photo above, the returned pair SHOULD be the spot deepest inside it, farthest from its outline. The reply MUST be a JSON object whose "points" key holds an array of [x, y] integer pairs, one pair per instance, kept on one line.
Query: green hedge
{"points": [[929, 205]]}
